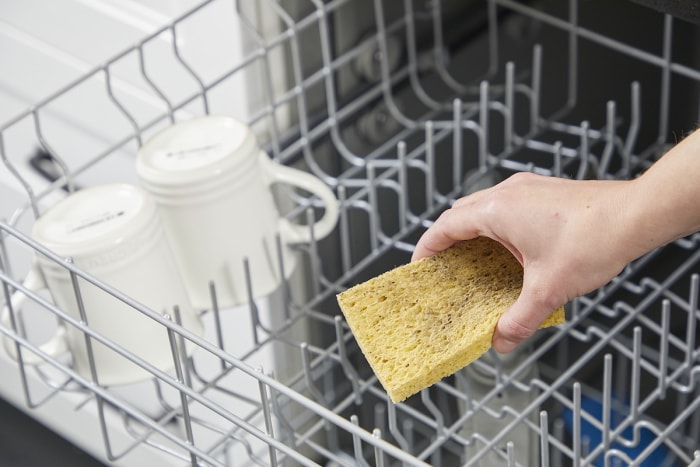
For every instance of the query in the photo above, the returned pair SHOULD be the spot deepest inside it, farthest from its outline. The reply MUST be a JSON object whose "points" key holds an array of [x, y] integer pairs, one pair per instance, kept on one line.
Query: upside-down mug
{"points": [[213, 186], [114, 234]]}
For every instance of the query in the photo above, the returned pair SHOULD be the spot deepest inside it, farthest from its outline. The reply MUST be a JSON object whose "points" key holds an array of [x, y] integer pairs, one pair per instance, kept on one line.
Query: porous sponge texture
{"points": [[423, 321]]}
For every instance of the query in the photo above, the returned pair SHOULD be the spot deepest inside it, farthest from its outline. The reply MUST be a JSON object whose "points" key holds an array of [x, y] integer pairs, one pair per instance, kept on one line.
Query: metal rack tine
{"points": [[607, 399], [15, 173], [279, 413], [252, 305], [5, 266], [463, 382], [218, 331], [189, 68], [379, 455], [314, 256], [493, 37], [665, 91], [498, 366], [544, 439], [559, 429], [70, 187], [158, 390], [384, 68], [267, 81], [457, 137], [183, 350], [345, 364], [380, 417], [284, 283], [430, 176], [439, 49], [179, 375], [691, 326], [357, 443], [484, 89], [635, 382], [584, 153], [663, 347], [510, 453], [344, 223], [633, 130], [17, 327], [413, 66], [152, 85], [694, 422], [586, 446], [557, 159], [264, 401], [329, 83], [576, 431], [308, 377], [609, 135], [394, 428], [536, 85], [436, 458], [509, 102], [434, 411], [621, 376], [120, 106], [302, 105], [83, 318], [403, 184], [408, 431], [374, 204], [573, 55]]}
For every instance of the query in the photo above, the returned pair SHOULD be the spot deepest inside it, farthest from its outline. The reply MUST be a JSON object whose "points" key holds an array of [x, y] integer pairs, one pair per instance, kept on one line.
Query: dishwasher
{"points": [[400, 108]]}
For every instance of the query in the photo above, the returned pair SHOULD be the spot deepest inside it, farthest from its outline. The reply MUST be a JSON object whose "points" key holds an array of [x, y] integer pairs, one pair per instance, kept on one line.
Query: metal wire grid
{"points": [[332, 408]]}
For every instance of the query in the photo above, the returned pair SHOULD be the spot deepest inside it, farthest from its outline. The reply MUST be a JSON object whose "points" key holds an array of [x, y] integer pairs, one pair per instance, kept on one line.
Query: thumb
{"points": [[520, 321]]}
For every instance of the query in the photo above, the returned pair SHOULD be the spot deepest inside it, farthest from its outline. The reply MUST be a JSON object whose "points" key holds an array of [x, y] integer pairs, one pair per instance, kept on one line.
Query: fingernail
{"points": [[502, 345]]}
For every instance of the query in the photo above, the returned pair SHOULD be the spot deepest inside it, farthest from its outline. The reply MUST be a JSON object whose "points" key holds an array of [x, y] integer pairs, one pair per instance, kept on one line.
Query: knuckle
{"points": [[520, 178], [497, 203]]}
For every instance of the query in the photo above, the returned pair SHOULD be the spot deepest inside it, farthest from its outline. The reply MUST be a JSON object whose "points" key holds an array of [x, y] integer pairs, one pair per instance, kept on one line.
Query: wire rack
{"points": [[399, 123]]}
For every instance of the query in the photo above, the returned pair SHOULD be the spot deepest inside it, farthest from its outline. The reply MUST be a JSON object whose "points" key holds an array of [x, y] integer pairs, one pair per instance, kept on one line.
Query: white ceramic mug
{"points": [[112, 232], [213, 184]]}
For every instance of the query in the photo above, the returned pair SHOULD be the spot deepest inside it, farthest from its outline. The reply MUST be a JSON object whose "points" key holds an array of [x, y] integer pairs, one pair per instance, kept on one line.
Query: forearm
{"points": [[664, 202]]}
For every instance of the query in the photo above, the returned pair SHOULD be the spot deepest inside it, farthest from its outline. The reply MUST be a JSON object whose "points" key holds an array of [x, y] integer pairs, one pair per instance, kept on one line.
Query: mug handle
{"points": [[301, 233], [55, 346]]}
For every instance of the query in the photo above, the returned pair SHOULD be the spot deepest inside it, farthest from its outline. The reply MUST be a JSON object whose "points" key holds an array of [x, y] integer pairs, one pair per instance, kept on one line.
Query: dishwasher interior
{"points": [[400, 108]]}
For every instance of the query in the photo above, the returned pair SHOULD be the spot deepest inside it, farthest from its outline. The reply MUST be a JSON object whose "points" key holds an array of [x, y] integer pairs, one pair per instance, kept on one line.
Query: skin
{"points": [[573, 236]]}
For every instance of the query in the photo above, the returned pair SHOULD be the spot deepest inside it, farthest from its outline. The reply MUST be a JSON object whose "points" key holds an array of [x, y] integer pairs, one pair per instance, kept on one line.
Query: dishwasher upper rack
{"points": [[332, 408]]}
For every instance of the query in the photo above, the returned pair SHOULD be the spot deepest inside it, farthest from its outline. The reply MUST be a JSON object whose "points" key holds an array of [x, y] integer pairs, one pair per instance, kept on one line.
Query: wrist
{"points": [[657, 214], [625, 229]]}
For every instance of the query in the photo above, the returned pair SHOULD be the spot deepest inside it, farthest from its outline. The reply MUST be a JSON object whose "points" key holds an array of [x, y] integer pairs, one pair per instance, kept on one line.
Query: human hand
{"points": [[570, 236]]}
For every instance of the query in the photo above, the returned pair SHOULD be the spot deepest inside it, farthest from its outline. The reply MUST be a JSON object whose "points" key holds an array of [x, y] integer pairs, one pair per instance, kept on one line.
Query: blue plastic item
{"points": [[661, 456]]}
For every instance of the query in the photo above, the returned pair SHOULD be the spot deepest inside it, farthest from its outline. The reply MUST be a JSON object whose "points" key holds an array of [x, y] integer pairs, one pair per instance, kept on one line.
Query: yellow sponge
{"points": [[425, 320]]}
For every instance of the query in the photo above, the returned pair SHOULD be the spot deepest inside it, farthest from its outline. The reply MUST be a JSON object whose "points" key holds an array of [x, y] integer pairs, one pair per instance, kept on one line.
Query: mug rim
{"points": [[75, 226], [220, 145]]}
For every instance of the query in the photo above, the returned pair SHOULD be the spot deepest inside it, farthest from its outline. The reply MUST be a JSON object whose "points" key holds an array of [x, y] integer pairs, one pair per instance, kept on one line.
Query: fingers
{"points": [[463, 221], [455, 224], [433, 241]]}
